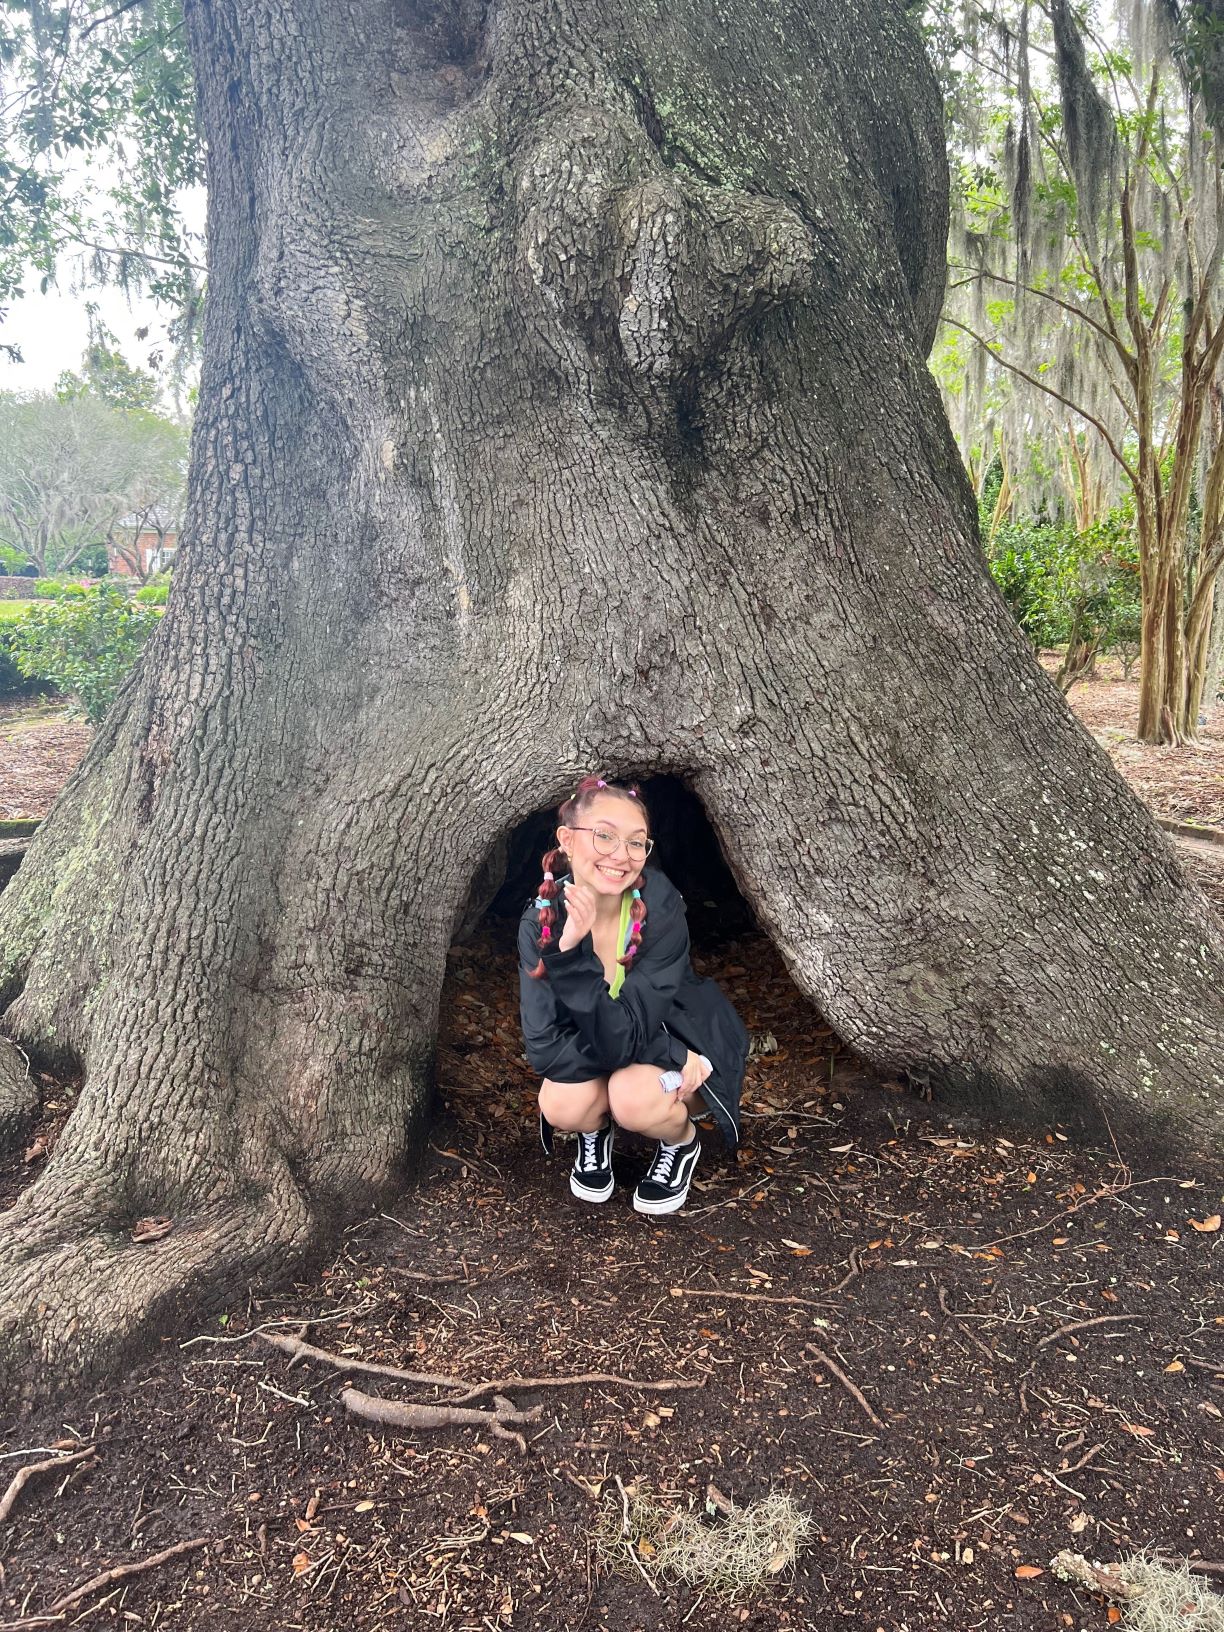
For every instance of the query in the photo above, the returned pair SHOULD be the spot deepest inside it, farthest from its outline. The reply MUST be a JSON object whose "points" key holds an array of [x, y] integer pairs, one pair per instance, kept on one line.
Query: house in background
{"points": [[142, 544]]}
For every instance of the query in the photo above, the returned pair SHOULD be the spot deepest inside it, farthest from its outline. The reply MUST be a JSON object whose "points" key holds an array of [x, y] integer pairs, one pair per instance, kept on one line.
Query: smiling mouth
{"points": [[611, 872]]}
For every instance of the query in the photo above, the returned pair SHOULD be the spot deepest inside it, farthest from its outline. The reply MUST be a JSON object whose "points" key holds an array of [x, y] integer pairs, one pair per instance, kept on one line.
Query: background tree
{"points": [[84, 80], [565, 403], [107, 376], [71, 468], [1086, 255]]}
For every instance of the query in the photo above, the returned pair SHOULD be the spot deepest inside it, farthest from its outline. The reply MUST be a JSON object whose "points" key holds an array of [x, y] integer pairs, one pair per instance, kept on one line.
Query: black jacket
{"points": [[574, 1029]]}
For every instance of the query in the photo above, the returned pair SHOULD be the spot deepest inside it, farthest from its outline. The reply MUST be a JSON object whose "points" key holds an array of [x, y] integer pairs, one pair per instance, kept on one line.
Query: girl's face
{"points": [[601, 858]]}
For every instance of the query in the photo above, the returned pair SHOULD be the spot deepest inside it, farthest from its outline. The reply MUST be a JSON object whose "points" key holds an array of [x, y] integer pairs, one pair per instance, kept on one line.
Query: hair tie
{"points": [[637, 895], [601, 783], [545, 932], [548, 878], [542, 901], [633, 793]]}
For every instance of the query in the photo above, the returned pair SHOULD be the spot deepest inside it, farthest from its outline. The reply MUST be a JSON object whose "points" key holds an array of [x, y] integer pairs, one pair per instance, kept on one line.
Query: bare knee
{"points": [[638, 1101], [575, 1107]]}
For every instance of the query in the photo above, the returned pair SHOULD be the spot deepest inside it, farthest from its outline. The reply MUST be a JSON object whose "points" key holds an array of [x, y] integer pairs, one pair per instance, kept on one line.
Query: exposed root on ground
{"points": [[51, 1464], [298, 1349], [410, 1416]]}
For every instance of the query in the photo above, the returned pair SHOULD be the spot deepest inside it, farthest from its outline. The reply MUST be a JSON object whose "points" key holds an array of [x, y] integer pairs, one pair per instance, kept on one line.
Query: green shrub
{"points": [[1065, 587], [154, 592], [58, 589], [83, 645]]}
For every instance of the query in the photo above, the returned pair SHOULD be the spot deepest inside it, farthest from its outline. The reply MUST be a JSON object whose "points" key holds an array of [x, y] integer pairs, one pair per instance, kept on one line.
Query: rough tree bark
{"points": [[564, 405]]}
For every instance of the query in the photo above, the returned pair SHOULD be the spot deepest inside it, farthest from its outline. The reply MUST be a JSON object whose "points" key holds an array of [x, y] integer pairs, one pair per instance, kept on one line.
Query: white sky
{"points": [[52, 331]]}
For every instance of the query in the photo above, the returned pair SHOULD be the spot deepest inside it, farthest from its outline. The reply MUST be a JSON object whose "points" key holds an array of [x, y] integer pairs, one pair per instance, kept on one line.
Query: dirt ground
{"points": [[957, 1350], [40, 744], [1035, 1335]]}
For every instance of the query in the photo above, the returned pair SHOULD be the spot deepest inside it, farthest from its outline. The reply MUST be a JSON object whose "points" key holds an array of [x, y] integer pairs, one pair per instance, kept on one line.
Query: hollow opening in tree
{"points": [[797, 1059]]}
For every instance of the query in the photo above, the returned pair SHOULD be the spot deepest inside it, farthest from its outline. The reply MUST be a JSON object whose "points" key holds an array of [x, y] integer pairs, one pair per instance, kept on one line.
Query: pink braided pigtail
{"points": [[547, 895]]}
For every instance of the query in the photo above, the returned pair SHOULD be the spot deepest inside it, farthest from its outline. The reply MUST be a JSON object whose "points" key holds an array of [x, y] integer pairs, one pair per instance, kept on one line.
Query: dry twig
{"points": [[1106, 1193], [1084, 1460], [856, 1268], [962, 1328], [1081, 1325], [852, 1389], [120, 1572], [24, 1475], [592, 1377], [742, 1297], [296, 1349]]}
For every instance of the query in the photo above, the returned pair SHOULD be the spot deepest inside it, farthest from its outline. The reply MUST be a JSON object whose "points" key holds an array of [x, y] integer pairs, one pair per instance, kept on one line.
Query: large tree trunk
{"points": [[564, 405]]}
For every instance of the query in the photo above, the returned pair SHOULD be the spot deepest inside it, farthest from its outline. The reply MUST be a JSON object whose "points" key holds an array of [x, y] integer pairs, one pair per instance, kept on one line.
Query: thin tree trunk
{"points": [[564, 405]]}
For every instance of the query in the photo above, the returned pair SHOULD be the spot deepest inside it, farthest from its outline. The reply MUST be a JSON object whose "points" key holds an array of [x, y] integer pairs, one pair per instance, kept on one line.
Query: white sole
{"points": [[585, 1194], [673, 1204], [669, 1204]]}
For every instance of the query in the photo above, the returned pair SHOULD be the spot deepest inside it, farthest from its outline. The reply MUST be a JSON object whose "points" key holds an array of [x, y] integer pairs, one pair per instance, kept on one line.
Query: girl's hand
{"points": [[579, 915], [693, 1075]]}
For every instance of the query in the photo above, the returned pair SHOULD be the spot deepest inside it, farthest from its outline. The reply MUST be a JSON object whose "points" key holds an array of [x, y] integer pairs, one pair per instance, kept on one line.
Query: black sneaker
{"points": [[591, 1175], [666, 1185]]}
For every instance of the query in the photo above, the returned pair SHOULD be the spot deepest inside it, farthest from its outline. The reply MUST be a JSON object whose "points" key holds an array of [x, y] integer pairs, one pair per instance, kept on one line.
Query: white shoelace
{"points": [[661, 1167], [661, 1170], [588, 1155]]}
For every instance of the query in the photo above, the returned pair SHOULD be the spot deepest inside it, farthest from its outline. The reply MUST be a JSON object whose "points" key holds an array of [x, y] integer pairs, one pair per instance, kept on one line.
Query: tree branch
{"points": [[1049, 390], [1044, 294]]}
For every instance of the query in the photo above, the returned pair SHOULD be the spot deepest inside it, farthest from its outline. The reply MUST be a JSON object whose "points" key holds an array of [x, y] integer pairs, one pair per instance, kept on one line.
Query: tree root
{"points": [[23, 1475], [405, 1414], [297, 1349], [19, 1098], [120, 1572]]}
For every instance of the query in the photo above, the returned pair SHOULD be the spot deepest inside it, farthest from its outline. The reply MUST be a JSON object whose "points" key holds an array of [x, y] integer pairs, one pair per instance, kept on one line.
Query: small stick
{"points": [[962, 1328], [855, 1393], [296, 1349], [1199, 1566], [633, 1553], [24, 1475], [1082, 1325], [856, 1268], [741, 1297], [405, 1414], [1078, 1494], [1105, 1194], [529, 1383], [120, 1572], [1085, 1459]]}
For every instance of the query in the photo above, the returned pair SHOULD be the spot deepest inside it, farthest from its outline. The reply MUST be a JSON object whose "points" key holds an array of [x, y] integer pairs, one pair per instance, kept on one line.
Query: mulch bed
{"points": [[1183, 784], [40, 745], [1034, 1332]]}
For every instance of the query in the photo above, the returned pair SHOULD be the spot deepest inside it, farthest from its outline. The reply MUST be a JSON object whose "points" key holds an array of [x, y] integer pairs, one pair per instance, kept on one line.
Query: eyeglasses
{"points": [[607, 843]]}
